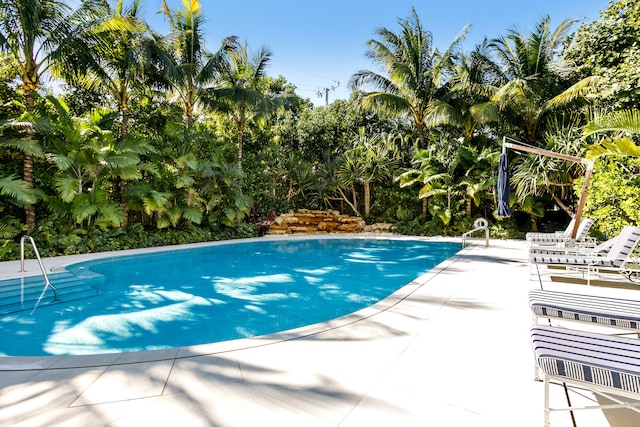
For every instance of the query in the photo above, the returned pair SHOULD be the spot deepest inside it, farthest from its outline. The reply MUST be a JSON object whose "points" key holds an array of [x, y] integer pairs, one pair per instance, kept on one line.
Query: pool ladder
{"points": [[47, 283], [478, 225]]}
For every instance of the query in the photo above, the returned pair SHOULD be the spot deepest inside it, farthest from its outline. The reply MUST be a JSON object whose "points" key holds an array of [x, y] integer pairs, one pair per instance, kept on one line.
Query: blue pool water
{"points": [[216, 293]]}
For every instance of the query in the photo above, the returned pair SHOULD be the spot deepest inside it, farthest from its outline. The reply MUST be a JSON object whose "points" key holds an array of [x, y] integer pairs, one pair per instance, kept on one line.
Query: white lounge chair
{"points": [[606, 365], [585, 250], [531, 236], [614, 260], [563, 238], [616, 313]]}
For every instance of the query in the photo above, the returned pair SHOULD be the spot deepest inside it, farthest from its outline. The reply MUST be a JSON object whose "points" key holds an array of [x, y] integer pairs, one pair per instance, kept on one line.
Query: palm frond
{"points": [[192, 213], [110, 215], [577, 91], [617, 121], [618, 146], [83, 208], [25, 145], [17, 189], [68, 187], [441, 113]]}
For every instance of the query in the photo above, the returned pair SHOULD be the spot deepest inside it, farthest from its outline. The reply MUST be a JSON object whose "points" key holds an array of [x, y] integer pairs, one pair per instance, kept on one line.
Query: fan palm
{"points": [[88, 158], [17, 190]]}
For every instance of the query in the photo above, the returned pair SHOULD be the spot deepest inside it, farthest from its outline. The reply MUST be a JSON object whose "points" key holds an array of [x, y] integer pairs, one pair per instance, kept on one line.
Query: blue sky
{"points": [[316, 44]]}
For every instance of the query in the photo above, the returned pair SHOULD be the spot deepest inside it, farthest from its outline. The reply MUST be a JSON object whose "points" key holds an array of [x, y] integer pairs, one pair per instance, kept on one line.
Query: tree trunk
{"points": [[534, 224], [346, 200], [239, 150], [27, 166], [354, 194], [469, 201], [241, 126], [425, 207], [559, 202], [30, 210], [421, 135], [125, 125], [367, 197]]}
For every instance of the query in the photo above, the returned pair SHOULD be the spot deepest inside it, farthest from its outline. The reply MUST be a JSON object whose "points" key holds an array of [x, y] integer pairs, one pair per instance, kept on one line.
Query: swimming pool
{"points": [[220, 292]]}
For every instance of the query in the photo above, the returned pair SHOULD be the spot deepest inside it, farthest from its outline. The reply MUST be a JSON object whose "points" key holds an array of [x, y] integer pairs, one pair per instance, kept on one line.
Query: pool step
{"points": [[22, 293]]}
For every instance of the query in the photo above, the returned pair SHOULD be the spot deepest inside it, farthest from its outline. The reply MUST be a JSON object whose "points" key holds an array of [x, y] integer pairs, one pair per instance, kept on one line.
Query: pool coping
{"points": [[59, 264]]}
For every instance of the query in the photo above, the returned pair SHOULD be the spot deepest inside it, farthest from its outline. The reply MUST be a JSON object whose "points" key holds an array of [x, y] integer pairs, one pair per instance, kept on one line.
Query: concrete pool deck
{"points": [[450, 349]]}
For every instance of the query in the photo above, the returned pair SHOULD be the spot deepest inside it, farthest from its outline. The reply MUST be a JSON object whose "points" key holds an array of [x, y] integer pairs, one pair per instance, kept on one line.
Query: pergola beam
{"points": [[560, 156]]}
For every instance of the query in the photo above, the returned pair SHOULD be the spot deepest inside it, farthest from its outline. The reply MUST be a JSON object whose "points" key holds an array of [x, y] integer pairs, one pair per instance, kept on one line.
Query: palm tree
{"points": [[479, 168], [124, 52], [476, 78], [243, 92], [535, 88], [371, 159], [194, 68], [416, 72], [87, 158], [297, 174], [429, 171], [35, 35], [536, 176]]}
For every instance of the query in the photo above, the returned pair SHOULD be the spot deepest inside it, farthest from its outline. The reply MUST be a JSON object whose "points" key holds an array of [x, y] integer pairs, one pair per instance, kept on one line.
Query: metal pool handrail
{"points": [[478, 225], [42, 269]]}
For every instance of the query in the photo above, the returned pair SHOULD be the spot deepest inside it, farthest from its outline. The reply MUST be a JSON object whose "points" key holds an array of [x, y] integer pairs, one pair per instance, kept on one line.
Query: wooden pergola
{"points": [[587, 175]]}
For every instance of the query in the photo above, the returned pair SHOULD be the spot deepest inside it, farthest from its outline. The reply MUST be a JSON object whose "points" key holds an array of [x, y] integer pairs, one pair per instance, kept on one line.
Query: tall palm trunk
{"points": [[27, 159], [420, 127], [240, 132], [121, 184], [367, 197], [242, 123]]}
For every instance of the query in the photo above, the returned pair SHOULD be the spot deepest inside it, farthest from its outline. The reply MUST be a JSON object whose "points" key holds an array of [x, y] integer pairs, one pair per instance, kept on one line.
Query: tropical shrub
{"points": [[613, 197]]}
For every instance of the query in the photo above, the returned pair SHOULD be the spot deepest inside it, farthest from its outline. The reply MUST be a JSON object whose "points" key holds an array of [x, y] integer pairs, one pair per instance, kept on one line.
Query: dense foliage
{"points": [[155, 140], [610, 49]]}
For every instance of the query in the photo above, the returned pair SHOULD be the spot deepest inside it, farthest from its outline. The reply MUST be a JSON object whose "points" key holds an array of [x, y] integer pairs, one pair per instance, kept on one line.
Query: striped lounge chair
{"points": [[605, 311], [599, 250], [603, 364], [562, 238], [533, 236], [614, 260]]}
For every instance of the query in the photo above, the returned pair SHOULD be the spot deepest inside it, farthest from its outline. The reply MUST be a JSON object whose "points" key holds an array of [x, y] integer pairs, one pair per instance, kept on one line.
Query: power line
{"points": [[304, 71], [325, 92]]}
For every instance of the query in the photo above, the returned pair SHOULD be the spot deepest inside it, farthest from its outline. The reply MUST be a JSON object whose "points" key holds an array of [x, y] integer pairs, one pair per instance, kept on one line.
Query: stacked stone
{"points": [[307, 221]]}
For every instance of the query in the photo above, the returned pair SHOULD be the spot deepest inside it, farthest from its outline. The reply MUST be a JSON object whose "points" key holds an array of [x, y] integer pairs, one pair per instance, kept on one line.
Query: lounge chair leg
{"points": [[547, 410]]}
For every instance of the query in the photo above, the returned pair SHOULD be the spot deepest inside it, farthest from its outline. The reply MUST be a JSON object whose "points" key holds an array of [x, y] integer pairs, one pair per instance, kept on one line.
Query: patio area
{"points": [[450, 349]]}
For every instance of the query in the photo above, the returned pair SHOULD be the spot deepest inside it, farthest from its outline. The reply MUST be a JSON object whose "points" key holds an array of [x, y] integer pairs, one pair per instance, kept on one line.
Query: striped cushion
{"points": [[622, 247], [551, 237], [615, 312], [574, 260], [563, 236], [548, 239], [625, 243], [598, 250], [603, 360], [583, 229]]}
